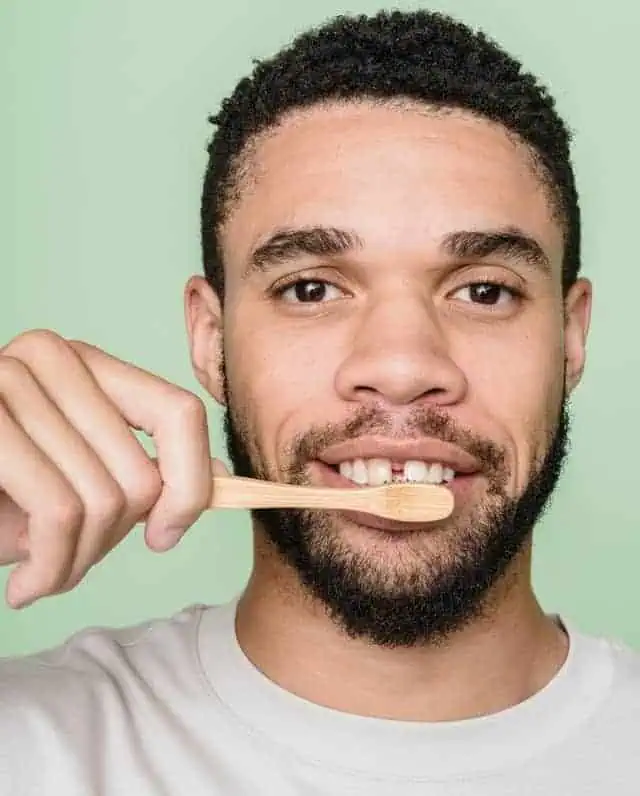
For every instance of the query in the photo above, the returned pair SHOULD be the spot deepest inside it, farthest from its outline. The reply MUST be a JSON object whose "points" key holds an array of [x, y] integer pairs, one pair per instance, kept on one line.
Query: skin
{"points": [[396, 331], [397, 335]]}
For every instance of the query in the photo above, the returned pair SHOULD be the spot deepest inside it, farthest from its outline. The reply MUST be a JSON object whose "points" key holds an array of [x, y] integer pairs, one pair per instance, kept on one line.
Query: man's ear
{"points": [[577, 321], [203, 317]]}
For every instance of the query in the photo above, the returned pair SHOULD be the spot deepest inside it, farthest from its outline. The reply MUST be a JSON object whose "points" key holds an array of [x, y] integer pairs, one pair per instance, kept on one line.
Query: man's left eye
{"points": [[489, 294], [309, 291]]}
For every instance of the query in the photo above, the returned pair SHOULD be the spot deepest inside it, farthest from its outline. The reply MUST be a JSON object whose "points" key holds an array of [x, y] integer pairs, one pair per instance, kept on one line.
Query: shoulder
{"points": [[94, 665], [626, 665], [63, 709], [618, 665]]}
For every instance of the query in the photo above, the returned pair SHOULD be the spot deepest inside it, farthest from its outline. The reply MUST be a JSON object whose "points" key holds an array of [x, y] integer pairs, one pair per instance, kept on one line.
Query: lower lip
{"points": [[323, 475]]}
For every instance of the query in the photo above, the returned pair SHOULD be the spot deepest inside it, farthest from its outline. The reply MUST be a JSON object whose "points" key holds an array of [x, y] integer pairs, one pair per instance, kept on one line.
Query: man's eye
{"points": [[488, 294], [308, 291]]}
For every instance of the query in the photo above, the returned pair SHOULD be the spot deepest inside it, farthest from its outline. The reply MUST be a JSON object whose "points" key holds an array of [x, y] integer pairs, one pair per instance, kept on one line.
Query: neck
{"points": [[505, 657]]}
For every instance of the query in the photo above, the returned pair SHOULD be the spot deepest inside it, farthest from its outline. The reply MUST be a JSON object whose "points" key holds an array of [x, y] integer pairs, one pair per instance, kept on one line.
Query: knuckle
{"points": [[35, 340], [144, 490], [67, 515], [12, 371], [189, 407], [80, 346], [107, 509]]}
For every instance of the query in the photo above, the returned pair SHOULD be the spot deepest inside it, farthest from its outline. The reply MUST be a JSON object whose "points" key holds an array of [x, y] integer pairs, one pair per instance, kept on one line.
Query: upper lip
{"points": [[400, 451]]}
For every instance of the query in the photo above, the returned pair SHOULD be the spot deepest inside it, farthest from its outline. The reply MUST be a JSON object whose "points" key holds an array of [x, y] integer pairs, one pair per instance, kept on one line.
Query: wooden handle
{"points": [[405, 502], [251, 493]]}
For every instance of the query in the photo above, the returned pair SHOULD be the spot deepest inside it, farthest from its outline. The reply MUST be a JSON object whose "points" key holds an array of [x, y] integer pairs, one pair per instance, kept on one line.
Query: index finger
{"points": [[176, 421]]}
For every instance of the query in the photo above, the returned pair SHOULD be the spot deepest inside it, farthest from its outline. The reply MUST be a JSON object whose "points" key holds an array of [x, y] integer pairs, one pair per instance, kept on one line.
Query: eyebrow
{"points": [[287, 245], [510, 243]]}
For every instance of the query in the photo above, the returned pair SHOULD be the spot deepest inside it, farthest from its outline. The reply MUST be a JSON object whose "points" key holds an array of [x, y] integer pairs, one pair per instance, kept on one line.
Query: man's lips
{"points": [[325, 475]]}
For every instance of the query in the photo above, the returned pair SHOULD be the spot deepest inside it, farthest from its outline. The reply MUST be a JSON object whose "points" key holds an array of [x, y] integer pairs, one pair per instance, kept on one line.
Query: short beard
{"points": [[437, 587]]}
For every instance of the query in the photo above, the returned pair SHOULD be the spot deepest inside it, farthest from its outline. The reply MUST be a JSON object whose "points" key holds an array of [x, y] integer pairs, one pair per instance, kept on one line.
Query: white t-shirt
{"points": [[174, 707]]}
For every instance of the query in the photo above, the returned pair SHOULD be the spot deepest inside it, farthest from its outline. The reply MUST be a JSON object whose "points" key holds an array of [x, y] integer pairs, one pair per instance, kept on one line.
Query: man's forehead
{"points": [[370, 165], [343, 125]]}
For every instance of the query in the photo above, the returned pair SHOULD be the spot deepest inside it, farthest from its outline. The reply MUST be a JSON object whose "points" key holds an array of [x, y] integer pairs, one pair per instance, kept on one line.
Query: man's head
{"points": [[391, 243]]}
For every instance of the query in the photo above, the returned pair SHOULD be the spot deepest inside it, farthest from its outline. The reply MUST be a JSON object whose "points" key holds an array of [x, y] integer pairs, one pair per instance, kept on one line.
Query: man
{"points": [[391, 240]]}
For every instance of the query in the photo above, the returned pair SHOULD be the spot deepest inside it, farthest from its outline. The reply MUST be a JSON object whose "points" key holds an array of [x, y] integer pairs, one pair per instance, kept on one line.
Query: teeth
{"points": [[416, 471], [435, 474], [360, 472], [374, 472], [379, 471], [346, 470], [448, 474]]}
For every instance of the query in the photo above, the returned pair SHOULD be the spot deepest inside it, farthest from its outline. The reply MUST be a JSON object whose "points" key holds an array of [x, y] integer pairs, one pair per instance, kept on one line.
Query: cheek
{"points": [[522, 363], [524, 385], [281, 369], [284, 378], [518, 383]]}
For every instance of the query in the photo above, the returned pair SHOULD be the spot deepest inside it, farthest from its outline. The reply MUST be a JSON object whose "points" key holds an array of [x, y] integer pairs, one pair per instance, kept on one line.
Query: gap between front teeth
{"points": [[375, 472]]}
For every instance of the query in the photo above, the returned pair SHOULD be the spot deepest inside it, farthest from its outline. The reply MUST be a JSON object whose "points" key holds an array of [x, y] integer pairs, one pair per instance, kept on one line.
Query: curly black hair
{"points": [[419, 56]]}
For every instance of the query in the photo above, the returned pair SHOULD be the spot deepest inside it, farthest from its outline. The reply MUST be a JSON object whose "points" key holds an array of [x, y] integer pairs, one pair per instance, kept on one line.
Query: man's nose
{"points": [[400, 354]]}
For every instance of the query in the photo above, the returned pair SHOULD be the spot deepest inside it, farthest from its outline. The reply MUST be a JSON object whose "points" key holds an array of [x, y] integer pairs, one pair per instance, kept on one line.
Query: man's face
{"points": [[364, 327]]}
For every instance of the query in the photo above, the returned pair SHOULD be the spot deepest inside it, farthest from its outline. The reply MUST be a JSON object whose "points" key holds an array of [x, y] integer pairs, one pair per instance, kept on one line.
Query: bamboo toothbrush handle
{"points": [[410, 502]]}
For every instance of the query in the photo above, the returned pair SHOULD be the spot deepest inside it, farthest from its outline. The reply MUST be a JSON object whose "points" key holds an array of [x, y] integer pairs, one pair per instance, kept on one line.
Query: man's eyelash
{"points": [[279, 289], [497, 282]]}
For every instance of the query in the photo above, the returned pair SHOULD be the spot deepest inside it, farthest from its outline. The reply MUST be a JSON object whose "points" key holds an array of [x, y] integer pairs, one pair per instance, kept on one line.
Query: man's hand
{"points": [[74, 480]]}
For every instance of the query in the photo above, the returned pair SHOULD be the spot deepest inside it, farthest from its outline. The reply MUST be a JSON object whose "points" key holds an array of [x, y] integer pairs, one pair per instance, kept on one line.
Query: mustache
{"points": [[422, 422]]}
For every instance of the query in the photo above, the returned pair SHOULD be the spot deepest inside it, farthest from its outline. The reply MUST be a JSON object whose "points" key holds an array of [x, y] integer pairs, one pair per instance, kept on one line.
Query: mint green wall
{"points": [[102, 134]]}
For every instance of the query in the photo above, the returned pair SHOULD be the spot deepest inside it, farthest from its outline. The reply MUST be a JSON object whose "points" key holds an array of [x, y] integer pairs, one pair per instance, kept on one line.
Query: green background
{"points": [[102, 147]]}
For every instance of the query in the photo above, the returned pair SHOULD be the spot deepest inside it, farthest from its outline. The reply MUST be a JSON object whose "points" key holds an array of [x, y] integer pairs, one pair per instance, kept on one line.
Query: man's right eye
{"points": [[308, 291]]}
